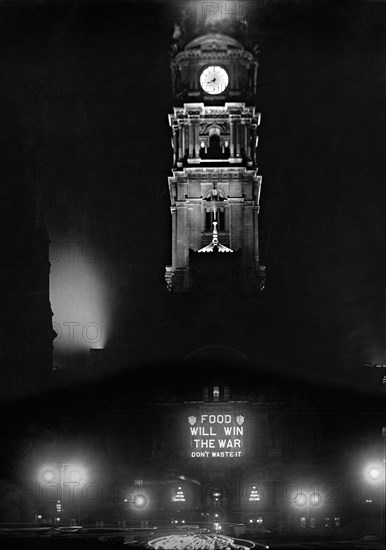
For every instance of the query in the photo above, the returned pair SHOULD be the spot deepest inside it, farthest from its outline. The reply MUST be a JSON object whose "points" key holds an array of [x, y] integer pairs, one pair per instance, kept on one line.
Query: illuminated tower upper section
{"points": [[214, 189], [214, 50]]}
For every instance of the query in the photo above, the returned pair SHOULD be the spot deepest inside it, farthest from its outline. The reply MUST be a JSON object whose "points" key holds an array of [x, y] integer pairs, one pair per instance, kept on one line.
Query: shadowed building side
{"points": [[26, 310]]}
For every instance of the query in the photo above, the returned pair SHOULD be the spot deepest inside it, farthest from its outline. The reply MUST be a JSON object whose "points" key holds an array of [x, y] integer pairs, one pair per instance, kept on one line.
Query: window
{"points": [[216, 393], [209, 219], [206, 393], [337, 522], [302, 523], [221, 220]]}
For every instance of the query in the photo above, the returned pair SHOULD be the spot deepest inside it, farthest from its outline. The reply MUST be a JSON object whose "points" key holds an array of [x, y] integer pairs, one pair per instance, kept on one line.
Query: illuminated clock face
{"points": [[214, 80]]}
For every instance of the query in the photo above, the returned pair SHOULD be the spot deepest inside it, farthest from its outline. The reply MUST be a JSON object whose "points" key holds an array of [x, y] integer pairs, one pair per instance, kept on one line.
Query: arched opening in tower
{"points": [[214, 149]]}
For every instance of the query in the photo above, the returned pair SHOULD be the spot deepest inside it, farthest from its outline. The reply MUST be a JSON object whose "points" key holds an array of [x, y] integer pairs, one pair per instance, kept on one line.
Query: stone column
{"points": [[174, 236], [197, 139], [183, 139], [232, 84], [190, 138], [254, 78], [180, 130], [247, 141], [231, 139], [248, 234], [253, 147], [238, 136], [256, 236], [235, 227], [175, 145], [182, 245]]}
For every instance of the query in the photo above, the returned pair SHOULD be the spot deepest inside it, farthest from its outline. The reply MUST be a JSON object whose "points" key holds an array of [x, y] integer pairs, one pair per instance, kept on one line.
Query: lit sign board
{"points": [[178, 495], [254, 495], [216, 435]]}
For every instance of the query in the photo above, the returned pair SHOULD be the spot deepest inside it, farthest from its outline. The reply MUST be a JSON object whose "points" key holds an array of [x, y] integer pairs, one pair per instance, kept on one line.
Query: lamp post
{"points": [[75, 477], [307, 498], [375, 474]]}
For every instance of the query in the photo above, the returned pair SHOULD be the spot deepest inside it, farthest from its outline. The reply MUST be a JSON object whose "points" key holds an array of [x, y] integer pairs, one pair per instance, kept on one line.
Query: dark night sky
{"points": [[86, 90]]}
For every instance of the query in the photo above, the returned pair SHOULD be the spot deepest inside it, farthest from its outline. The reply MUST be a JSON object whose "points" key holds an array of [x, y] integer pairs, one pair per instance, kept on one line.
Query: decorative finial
{"points": [[215, 243]]}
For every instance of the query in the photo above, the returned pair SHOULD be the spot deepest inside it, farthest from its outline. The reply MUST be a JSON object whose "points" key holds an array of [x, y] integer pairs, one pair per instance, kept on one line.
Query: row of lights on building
{"points": [[258, 520], [176, 521], [326, 522]]}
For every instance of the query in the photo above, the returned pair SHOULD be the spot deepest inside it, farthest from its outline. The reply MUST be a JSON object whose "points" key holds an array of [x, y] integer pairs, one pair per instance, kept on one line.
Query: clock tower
{"points": [[215, 187]]}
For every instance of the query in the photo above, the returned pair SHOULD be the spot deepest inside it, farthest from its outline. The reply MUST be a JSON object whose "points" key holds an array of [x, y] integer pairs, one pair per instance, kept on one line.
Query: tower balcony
{"points": [[214, 135]]}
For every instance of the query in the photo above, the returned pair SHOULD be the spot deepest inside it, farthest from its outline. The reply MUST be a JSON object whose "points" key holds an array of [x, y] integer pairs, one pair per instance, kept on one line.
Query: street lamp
{"points": [[306, 499], [138, 500], [374, 473], [69, 473]]}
